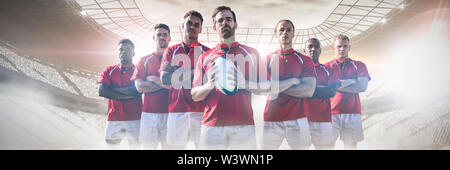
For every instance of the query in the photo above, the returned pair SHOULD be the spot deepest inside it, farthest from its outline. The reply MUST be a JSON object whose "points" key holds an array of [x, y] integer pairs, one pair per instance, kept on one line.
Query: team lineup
{"points": [[188, 92]]}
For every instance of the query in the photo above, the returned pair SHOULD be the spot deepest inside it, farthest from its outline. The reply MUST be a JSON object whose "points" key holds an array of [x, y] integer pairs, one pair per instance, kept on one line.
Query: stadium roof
{"points": [[128, 18]]}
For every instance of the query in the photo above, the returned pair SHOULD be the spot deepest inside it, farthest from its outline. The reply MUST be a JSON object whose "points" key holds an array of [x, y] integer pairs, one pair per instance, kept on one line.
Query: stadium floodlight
{"points": [[83, 13]]}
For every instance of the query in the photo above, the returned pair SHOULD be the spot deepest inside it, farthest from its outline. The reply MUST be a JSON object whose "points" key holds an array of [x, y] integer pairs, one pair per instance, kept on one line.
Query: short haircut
{"points": [[284, 20], [127, 41], [222, 8], [313, 39], [342, 37], [194, 13], [160, 25]]}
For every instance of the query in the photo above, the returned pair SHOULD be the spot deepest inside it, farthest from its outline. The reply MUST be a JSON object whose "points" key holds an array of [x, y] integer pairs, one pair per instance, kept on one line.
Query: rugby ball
{"points": [[225, 76]]}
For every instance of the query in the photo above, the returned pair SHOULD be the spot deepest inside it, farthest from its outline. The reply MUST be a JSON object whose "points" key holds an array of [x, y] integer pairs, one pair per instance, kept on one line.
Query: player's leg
{"points": [[177, 129], [212, 138], [298, 135], [132, 129], [352, 131], [272, 135], [113, 134], [241, 137], [162, 134], [195, 123], [336, 123], [322, 135], [148, 135]]}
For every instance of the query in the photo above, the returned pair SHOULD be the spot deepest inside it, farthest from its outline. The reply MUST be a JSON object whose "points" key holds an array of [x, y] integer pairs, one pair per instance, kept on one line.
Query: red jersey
{"points": [[349, 69], [158, 101], [319, 109], [121, 110], [291, 65], [180, 100], [221, 109]]}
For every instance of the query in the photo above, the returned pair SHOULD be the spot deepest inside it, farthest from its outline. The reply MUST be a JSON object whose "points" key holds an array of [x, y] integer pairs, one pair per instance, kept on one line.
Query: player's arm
{"points": [[326, 91], [166, 73], [282, 86], [306, 88], [143, 86], [199, 93], [360, 85], [104, 90], [129, 90], [156, 80]]}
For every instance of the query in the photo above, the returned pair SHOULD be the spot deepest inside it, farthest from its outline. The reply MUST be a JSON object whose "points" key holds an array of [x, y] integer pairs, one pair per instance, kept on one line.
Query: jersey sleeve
{"points": [[308, 69], [199, 72], [267, 65], [167, 57], [140, 69], [105, 77], [335, 74], [362, 70], [257, 62]]}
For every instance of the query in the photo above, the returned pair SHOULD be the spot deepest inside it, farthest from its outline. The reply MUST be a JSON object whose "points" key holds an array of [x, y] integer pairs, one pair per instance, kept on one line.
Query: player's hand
{"points": [[169, 68], [166, 73], [347, 82], [152, 78], [240, 79], [295, 81], [211, 75]]}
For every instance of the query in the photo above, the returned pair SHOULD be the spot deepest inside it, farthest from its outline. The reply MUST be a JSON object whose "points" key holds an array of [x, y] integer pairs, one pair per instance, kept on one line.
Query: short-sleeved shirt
{"points": [[180, 100], [349, 69], [292, 64], [157, 101], [319, 109], [121, 110], [221, 109]]}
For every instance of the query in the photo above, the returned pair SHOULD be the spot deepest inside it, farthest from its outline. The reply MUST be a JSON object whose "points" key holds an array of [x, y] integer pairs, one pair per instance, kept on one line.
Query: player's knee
{"points": [[350, 144], [112, 142], [324, 146]]}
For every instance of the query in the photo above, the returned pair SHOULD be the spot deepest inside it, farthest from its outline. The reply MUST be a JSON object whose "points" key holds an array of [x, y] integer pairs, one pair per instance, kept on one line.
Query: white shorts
{"points": [[153, 130], [296, 133], [184, 127], [228, 137], [348, 127], [321, 133], [116, 130]]}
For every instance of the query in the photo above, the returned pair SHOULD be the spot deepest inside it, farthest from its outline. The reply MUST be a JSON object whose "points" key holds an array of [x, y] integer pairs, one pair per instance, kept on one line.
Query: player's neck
{"points": [[126, 62], [315, 60], [188, 41], [339, 58], [285, 47], [161, 50], [228, 41]]}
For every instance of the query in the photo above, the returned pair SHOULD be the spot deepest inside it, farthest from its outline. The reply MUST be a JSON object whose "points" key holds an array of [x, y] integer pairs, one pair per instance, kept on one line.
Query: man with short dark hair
{"points": [[346, 106], [318, 108], [124, 102], [284, 116], [146, 75], [228, 121], [184, 120]]}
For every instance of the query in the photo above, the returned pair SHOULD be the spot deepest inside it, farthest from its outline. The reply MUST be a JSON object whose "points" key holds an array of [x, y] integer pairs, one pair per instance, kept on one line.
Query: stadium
{"points": [[52, 53]]}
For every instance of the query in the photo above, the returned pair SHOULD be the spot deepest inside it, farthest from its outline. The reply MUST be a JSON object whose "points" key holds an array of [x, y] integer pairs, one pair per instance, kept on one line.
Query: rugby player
{"points": [[284, 116], [124, 102], [346, 106], [318, 108], [228, 119], [153, 129], [185, 114]]}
